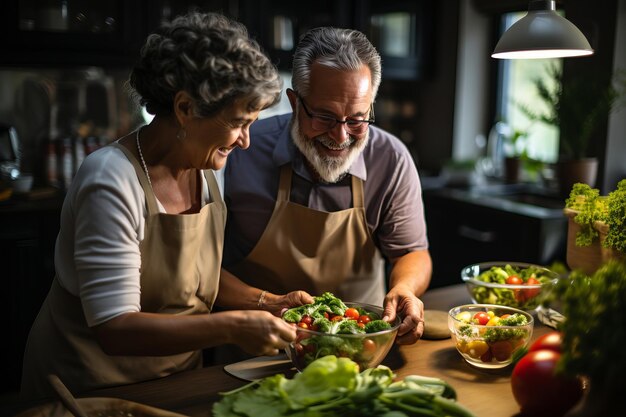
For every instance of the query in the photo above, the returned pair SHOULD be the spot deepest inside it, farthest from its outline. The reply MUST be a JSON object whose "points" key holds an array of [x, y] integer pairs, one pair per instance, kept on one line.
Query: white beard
{"points": [[330, 169]]}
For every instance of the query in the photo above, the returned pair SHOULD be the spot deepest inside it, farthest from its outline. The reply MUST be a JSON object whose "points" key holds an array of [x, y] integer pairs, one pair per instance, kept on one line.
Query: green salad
{"points": [[332, 317], [517, 296]]}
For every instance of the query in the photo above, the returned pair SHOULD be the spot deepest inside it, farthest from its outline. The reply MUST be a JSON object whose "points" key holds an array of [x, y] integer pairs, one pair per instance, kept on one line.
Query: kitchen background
{"points": [[62, 88]]}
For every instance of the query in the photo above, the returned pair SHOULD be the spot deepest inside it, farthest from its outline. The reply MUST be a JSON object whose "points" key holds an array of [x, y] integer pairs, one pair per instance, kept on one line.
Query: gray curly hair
{"points": [[209, 56], [342, 49]]}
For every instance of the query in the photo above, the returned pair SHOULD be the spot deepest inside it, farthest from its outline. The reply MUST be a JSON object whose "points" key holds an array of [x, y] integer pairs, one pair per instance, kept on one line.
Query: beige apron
{"points": [[180, 268], [316, 251]]}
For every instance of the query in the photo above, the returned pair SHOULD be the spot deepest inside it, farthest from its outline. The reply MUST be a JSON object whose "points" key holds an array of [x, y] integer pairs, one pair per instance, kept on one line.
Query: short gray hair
{"points": [[209, 56], [342, 49]]}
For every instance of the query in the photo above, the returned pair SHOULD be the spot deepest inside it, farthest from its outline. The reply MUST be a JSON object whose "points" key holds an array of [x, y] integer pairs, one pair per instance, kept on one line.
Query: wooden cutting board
{"points": [[99, 406]]}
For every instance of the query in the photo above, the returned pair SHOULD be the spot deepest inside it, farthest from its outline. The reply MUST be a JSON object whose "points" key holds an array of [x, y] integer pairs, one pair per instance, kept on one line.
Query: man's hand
{"points": [[402, 302]]}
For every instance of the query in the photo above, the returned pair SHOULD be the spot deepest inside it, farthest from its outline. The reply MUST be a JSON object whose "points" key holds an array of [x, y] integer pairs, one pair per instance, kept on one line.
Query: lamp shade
{"points": [[542, 33]]}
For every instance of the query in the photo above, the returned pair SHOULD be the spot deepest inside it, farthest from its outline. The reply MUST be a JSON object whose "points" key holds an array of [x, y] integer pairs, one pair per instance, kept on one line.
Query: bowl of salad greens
{"points": [[330, 326], [487, 335], [512, 284]]}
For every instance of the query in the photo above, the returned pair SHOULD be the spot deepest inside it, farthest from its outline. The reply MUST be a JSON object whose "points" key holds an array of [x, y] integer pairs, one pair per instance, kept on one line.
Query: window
{"points": [[516, 87]]}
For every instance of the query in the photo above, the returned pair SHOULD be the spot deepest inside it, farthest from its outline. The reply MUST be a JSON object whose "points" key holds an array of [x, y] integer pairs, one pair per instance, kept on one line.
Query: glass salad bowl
{"points": [[488, 335], [512, 284], [364, 343]]}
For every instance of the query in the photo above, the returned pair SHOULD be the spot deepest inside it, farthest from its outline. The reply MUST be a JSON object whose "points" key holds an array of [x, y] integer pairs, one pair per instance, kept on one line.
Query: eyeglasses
{"points": [[325, 123]]}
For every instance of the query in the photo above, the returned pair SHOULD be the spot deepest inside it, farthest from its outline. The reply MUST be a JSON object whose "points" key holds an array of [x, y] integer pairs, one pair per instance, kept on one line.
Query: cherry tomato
{"points": [[533, 291], [369, 348], [514, 280], [494, 321], [326, 316], [550, 341], [352, 313], [303, 325], [501, 350], [361, 325], [364, 319], [481, 318], [486, 357], [307, 319], [538, 390], [477, 348], [336, 318]]}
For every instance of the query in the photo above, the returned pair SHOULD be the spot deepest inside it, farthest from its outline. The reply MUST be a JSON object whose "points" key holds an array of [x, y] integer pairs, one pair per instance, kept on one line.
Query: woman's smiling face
{"points": [[211, 139]]}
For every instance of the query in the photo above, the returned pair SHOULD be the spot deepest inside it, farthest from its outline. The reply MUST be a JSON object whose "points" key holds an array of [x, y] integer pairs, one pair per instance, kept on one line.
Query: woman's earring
{"points": [[182, 134]]}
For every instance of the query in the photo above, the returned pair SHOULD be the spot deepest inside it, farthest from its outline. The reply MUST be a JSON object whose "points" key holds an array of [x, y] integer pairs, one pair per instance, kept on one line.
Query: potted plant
{"points": [[594, 336], [596, 226], [577, 107]]}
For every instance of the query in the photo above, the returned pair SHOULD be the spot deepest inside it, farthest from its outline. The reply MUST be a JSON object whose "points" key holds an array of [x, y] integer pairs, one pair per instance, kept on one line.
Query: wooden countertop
{"points": [[484, 392]]}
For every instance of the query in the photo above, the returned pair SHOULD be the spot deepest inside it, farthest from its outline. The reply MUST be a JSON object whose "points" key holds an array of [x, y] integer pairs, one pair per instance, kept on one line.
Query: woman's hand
{"points": [[275, 304], [259, 332], [403, 302]]}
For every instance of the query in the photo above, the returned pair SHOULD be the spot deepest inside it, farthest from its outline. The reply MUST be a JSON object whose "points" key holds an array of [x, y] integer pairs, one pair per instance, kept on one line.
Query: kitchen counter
{"points": [[484, 392]]}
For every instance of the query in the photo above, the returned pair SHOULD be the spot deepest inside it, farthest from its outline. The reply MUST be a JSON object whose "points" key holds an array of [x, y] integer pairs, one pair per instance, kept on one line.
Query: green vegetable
{"points": [[333, 386], [375, 326], [514, 320], [351, 327], [325, 303], [591, 207], [616, 218], [594, 334]]}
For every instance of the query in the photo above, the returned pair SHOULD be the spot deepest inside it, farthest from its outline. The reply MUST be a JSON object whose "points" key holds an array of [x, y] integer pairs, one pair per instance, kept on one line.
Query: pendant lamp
{"points": [[542, 33]]}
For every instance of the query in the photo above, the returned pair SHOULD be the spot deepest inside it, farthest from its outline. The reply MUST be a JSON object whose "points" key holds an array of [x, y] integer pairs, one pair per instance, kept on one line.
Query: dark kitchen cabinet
{"points": [[69, 33], [466, 227], [401, 30], [28, 231]]}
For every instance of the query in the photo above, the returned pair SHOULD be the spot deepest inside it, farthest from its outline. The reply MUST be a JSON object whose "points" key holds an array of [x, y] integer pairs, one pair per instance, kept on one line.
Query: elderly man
{"points": [[322, 195]]}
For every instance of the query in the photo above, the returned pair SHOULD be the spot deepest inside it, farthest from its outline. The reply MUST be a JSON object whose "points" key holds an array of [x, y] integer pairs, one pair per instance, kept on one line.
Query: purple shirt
{"points": [[392, 190]]}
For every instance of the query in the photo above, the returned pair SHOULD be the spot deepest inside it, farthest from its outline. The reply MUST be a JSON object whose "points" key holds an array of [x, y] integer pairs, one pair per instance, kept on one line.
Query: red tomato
{"points": [[514, 280], [551, 341], [501, 350], [481, 318], [352, 313], [532, 292], [326, 316], [307, 319], [538, 390], [364, 319], [336, 318], [303, 325]]}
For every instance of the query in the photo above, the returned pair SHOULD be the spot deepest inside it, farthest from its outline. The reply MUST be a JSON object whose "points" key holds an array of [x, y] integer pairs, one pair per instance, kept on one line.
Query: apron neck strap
{"points": [[358, 199], [284, 185], [214, 189], [151, 201]]}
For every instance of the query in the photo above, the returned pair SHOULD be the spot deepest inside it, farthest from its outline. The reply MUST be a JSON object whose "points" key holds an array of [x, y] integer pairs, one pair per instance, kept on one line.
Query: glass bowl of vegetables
{"points": [[512, 284], [487, 335], [329, 326]]}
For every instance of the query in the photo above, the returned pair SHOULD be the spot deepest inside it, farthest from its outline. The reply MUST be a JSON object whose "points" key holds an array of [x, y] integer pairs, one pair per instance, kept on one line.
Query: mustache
{"points": [[331, 144]]}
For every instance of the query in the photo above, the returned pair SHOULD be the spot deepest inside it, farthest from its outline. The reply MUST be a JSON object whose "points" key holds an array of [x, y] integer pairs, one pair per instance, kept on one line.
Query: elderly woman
{"points": [[139, 251]]}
